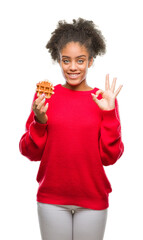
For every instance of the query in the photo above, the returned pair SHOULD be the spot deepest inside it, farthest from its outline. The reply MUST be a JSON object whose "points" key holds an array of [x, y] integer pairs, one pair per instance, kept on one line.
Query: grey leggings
{"points": [[70, 222]]}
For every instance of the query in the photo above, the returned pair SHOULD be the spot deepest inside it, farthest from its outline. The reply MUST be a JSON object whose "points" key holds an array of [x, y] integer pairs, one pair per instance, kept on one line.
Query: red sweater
{"points": [[73, 146]]}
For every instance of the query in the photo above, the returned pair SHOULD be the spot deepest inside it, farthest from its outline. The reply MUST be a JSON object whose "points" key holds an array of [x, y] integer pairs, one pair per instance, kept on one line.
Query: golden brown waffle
{"points": [[45, 87]]}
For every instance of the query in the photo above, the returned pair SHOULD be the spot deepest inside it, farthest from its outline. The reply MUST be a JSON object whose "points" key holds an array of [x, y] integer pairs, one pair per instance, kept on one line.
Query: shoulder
{"points": [[57, 85]]}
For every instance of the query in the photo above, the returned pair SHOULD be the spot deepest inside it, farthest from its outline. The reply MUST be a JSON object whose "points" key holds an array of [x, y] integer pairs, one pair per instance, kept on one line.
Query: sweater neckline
{"points": [[77, 91]]}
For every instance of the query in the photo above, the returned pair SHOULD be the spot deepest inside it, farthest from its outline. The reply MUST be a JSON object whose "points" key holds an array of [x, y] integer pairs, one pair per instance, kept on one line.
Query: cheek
{"points": [[84, 68], [63, 68]]}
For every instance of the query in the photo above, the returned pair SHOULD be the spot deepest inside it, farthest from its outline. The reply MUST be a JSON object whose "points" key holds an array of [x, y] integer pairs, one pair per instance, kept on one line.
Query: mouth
{"points": [[73, 75]]}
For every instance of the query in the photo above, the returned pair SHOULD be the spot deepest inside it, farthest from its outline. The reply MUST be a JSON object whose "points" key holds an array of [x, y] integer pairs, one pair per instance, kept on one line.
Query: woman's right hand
{"points": [[39, 108]]}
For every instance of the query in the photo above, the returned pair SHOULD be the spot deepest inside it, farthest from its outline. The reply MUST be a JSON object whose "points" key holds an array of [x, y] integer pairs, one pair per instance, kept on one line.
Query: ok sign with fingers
{"points": [[108, 96]]}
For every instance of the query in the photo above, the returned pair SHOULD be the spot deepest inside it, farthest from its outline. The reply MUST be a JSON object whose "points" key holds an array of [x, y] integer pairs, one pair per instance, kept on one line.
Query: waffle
{"points": [[45, 87]]}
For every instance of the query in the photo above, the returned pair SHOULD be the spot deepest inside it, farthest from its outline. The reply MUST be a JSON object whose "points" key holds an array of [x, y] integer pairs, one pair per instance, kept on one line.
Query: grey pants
{"points": [[70, 222]]}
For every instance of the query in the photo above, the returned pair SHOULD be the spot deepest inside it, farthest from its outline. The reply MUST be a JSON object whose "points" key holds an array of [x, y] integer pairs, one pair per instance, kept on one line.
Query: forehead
{"points": [[74, 49]]}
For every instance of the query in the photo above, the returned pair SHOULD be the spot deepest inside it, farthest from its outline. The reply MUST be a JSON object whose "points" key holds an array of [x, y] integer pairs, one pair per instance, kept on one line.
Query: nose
{"points": [[73, 66]]}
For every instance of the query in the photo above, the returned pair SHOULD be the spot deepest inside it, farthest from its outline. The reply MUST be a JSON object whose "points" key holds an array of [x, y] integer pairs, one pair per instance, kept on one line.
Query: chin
{"points": [[73, 82]]}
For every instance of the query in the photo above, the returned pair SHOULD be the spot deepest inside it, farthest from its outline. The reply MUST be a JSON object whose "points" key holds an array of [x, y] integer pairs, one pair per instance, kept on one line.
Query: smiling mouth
{"points": [[73, 75]]}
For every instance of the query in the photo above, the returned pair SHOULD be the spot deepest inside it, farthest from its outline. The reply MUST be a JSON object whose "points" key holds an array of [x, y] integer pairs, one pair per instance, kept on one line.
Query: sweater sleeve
{"points": [[33, 141], [110, 143]]}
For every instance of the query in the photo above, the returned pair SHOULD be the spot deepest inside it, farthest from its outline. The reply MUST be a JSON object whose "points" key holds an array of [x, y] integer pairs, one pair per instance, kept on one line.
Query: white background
{"points": [[25, 28]]}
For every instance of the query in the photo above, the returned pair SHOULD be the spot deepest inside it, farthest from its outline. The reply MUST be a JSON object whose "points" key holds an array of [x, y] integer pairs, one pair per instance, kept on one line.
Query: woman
{"points": [[74, 134]]}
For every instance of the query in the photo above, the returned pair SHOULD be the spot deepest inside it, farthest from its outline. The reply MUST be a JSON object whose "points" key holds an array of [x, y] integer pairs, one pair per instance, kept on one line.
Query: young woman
{"points": [[74, 134]]}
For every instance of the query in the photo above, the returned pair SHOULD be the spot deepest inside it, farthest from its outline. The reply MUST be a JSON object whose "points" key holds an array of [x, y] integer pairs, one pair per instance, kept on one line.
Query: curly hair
{"points": [[83, 31]]}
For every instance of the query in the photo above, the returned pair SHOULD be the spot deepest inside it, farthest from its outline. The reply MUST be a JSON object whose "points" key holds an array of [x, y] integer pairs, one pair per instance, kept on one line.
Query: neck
{"points": [[80, 87]]}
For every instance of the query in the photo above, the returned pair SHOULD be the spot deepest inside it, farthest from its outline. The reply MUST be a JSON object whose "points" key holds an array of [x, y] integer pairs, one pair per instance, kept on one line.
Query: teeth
{"points": [[73, 75]]}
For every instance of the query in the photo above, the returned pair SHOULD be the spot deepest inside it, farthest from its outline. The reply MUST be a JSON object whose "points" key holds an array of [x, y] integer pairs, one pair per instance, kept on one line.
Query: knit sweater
{"points": [[73, 146]]}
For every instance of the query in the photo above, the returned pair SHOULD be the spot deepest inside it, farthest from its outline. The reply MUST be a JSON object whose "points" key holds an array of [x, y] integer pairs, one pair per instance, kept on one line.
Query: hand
{"points": [[108, 96], [40, 109]]}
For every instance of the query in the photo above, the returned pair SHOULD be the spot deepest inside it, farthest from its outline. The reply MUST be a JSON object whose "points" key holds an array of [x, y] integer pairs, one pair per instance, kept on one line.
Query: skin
{"points": [[74, 63], [40, 109], [74, 59], [109, 95]]}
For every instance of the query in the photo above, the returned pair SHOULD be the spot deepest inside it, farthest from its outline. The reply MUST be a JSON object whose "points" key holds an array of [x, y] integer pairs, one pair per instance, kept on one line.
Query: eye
{"points": [[66, 61], [80, 61]]}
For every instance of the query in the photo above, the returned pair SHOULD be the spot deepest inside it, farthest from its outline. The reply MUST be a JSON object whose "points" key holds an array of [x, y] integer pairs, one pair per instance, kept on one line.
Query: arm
{"points": [[110, 143], [33, 141]]}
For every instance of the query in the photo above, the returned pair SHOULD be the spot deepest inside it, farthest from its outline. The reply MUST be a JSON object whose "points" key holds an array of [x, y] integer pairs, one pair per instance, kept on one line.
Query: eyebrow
{"points": [[76, 57]]}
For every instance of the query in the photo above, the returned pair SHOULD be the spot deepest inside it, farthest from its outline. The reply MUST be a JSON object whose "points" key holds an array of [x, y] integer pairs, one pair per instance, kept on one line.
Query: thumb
{"points": [[94, 97]]}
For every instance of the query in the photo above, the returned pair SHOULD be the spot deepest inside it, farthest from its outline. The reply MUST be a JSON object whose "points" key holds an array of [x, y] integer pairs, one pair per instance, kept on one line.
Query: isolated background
{"points": [[25, 28]]}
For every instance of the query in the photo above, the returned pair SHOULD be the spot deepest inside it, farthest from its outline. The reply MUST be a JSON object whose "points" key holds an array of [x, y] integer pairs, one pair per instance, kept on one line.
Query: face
{"points": [[74, 62]]}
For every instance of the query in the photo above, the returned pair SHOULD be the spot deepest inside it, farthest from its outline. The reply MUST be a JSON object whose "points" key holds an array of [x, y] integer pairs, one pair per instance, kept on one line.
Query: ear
{"points": [[90, 62]]}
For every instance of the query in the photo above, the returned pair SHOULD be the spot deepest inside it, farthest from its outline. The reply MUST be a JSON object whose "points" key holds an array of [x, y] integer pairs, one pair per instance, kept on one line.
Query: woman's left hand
{"points": [[108, 96]]}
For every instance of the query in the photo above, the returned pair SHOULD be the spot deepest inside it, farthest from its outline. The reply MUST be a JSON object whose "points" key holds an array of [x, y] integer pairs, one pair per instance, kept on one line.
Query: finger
{"points": [[118, 90], [41, 104], [113, 84], [107, 85], [45, 108], [38, 100], [100, 91], [95, 98]]}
